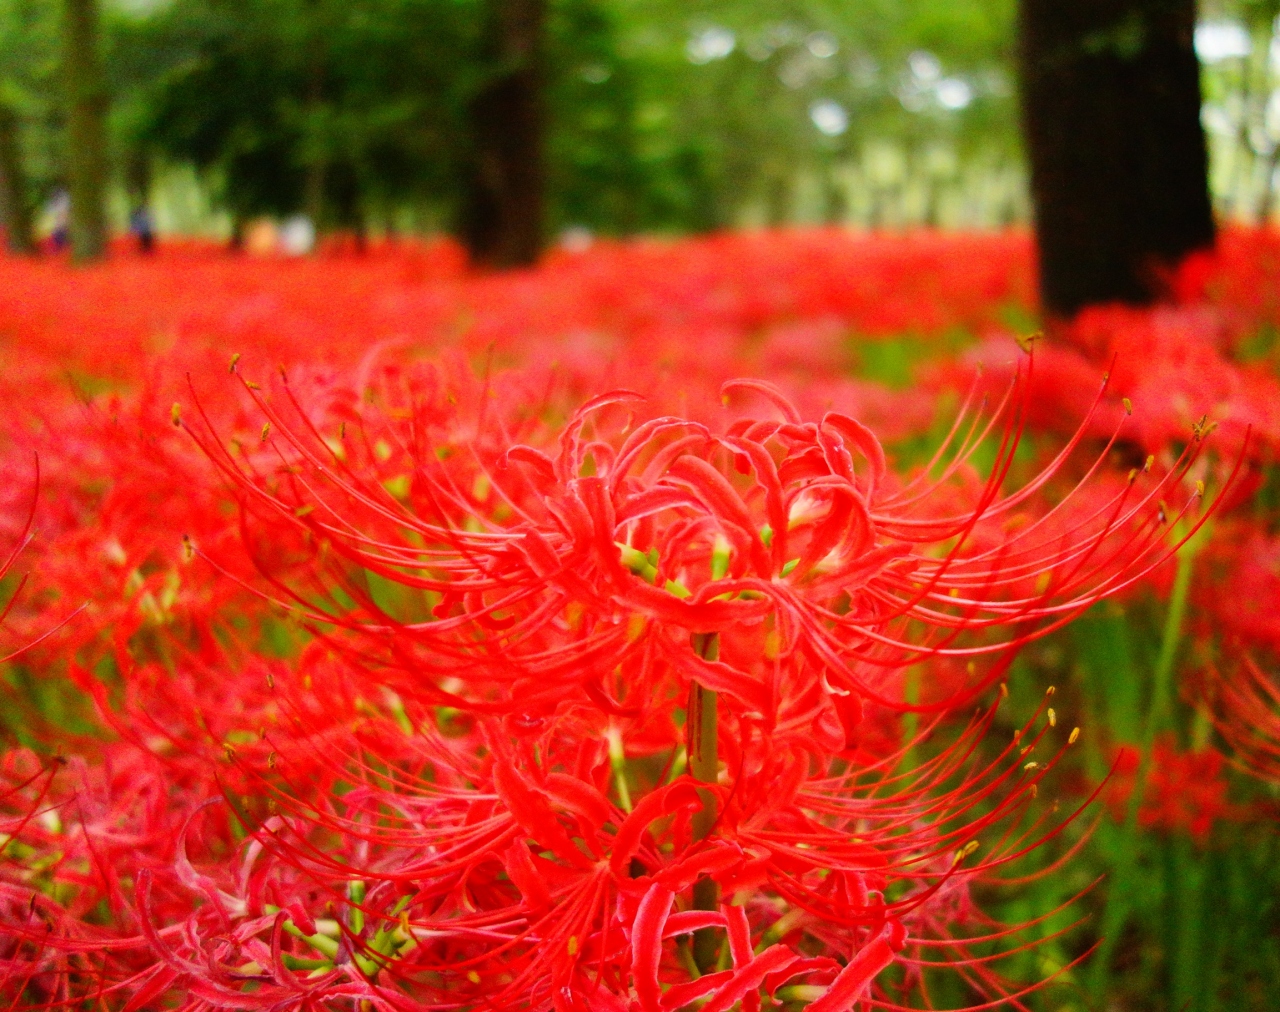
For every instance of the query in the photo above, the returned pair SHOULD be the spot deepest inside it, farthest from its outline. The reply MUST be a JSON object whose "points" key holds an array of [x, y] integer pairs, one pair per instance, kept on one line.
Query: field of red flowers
{"points": [[769, 620]]}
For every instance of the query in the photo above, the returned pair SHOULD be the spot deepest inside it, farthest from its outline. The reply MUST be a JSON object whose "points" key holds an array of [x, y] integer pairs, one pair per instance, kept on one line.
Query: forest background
{"points": [[657, 117]]}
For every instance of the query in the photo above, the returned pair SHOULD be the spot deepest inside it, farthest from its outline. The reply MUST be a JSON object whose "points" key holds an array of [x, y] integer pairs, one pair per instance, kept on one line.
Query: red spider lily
{"points": [[482, 783], [791, 541], [1165, 364], [413, 870], [467, 849], [20, 542], [516, 831], [1186, 791], [1245, 702], [665, 298], [1237, 278], [1237, 599]]}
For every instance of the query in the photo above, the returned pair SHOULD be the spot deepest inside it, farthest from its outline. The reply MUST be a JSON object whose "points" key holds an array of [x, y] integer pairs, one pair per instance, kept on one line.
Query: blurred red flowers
{"points": [[462, 683]]}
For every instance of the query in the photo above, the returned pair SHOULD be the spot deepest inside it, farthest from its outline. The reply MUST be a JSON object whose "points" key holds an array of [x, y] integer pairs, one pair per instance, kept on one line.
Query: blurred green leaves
{"points": [[356, 111]]}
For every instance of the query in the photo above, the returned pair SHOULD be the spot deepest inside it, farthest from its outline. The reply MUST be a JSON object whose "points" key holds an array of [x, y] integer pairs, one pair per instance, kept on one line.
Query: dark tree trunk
{"points": [[15, 211], [503, 186], [86, 108], [1111, 108]]}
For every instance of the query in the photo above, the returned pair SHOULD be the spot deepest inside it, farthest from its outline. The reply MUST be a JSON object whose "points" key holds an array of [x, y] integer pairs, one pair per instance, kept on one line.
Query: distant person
{"points": [[60, 216], [143, 229]]}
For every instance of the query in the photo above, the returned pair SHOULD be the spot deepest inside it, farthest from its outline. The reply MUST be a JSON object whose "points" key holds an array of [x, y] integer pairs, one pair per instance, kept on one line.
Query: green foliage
{"points": [[356, 112], [1192, 923], [28, 85], [358, 100]]}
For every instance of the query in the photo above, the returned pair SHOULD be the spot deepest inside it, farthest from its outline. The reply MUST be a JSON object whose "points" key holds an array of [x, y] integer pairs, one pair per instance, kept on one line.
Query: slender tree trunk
{"points": [[1111, 107], [316, 180], [502, 216], [86, 109], [835, 197], [778, 198], [15, 211]]}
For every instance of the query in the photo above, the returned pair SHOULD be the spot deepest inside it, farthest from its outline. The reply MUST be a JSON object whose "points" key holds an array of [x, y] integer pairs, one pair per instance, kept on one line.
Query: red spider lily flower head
{"points": [[471, 789], [20, 539], [581, 572], [413, 863], [121, 487], [1244, 582], [1185, 791], [514, 828], [1167, 363], [1245, 702]]}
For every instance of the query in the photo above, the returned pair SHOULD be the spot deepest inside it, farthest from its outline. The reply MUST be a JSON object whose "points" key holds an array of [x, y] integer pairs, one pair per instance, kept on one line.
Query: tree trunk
{"points": [[1111, 109], [15, 211], [86, 98], [503, 199]]}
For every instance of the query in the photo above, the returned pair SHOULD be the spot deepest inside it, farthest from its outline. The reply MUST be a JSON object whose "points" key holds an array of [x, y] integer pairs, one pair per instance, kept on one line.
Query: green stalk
{"points": [[701, 735], [1119, 899], [618, 760]]}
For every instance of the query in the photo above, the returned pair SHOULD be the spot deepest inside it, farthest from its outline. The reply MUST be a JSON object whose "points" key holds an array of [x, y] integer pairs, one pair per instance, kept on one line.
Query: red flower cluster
{"points": [[595, 714], [420, 686], [1246, 704], [1186, 791]]}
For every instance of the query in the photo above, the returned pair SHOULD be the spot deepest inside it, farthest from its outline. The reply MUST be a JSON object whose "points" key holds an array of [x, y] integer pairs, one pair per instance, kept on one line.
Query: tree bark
{"points": [[86, 108], [502, 211], [1111, 111], [15, 211]]}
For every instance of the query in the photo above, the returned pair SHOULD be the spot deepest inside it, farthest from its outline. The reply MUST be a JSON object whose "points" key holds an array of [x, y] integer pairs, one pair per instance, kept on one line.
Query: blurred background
{"points": [[368, 116]]}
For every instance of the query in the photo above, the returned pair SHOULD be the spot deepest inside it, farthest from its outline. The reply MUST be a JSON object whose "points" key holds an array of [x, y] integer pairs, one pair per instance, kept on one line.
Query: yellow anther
{"points": [[175, 413], [266, 431], [234, 359], [1071, 738], [1053, 718], [1050, 690], [1033, 765], [1128, 406]]}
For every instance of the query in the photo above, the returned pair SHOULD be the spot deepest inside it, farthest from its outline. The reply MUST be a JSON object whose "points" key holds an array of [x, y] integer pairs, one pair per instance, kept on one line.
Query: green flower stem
{"points": [[701, 731], [1119, 898], [618, 760]]}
